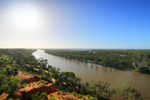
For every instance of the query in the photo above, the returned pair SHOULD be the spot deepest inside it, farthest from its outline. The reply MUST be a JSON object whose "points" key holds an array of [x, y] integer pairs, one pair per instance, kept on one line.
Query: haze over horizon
{"points": [[102, 24]]}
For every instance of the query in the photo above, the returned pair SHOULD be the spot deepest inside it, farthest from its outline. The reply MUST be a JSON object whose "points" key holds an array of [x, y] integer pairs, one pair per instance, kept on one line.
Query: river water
{"points": [[89, 72]]}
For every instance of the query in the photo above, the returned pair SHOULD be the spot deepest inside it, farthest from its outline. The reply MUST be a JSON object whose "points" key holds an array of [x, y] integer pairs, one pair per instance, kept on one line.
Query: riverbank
{"points": [[118, 59]]}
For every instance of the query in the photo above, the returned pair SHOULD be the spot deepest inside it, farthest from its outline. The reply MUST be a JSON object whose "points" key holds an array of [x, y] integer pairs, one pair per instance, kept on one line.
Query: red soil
{"points": [[3, 96], [63, 96], [28, 77], [22, 75], [33, 88]]}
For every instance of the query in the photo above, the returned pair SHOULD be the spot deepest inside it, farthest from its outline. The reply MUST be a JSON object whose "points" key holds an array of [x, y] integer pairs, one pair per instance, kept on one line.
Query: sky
{"points": [[100, 24]]}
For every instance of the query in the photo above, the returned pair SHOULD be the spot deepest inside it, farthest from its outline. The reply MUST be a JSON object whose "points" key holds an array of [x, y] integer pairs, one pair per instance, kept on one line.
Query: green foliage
{"points": [[68, 81], [43, 62], [10, 62], [103, 89], [100, 90], [74, 93], [130, 93], [135, 66], [13, 99], [2, 77], [142, 67], [55, 72], [11, 70], [80, 96], [83, 98], [58, 92], [52, 98], [10, 86], [42, 96], [10, 99], [60, 86], [36, 96]]}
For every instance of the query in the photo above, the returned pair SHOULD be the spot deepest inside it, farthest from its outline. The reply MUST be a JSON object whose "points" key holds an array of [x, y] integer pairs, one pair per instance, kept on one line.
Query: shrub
{"points": [[80, 96], [52, 98], [130, 93], [42, 96]]}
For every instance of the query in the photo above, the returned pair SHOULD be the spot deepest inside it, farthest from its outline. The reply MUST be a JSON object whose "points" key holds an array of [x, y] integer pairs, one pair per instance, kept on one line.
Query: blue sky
{"points": [[112, 24]]}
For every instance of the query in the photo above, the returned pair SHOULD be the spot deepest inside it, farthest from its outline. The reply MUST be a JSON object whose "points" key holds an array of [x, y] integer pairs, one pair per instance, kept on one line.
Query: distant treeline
{"points": [[122, 59]]}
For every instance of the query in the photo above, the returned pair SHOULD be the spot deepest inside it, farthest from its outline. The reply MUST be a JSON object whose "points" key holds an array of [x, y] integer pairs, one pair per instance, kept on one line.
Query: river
{"points": [[89, 72]]}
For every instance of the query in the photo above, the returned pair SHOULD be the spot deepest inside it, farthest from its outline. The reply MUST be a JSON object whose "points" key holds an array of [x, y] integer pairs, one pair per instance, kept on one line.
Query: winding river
{"points": [[88, 72]]}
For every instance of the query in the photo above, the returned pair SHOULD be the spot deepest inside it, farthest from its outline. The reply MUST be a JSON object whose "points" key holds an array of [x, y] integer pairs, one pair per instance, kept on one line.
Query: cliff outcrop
{"points": [[33, 79], [34, 88]]}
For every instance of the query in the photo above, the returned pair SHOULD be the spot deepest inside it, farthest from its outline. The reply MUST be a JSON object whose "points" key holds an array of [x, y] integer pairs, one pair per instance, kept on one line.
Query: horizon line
{"points": [[80, 48]]}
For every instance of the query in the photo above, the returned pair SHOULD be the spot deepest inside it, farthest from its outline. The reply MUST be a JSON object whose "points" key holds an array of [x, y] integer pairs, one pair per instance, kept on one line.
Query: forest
{"points": [[135, 60], [12, 61]]}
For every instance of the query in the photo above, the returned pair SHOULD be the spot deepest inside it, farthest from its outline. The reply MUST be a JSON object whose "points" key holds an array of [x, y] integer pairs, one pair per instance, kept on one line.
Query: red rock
{"points": [[50, 88], [33, 79]]}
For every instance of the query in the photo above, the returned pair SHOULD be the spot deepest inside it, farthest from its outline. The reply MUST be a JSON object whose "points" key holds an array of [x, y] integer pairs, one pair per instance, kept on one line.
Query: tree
{"points": [[43, 96], [13, 85], [102, 89], [10, 86], [142, 67], [2, 77], [130, 93], [43, 62], [52, 98]]}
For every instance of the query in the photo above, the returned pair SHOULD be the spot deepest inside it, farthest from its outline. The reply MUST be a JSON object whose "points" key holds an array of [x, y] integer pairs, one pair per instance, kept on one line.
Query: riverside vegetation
{"points": [[14, 60], [138, 60]]}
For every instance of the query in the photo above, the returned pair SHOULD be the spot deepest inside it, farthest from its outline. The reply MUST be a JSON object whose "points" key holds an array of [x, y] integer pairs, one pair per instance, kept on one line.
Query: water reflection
{"points": [[85, 65], [104, 69], [110, 69], [97, 68], [91, 66]]}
